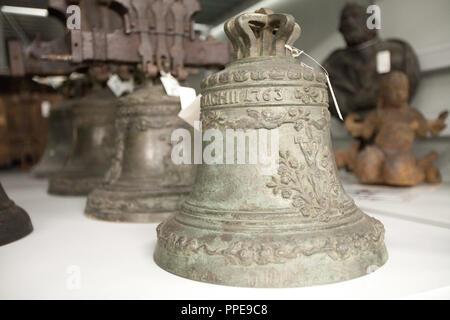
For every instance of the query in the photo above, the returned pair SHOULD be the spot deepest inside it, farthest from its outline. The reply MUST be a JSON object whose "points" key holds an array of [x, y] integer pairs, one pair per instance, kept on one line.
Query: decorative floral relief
{"points": [[258, 75], [261, 119], [311, 185], [225, 77], [239, 76], [247, 252], [277, 74], [310, 94]]}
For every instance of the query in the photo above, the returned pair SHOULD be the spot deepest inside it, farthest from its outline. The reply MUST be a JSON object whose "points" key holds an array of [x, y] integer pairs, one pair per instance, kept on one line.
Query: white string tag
{"points": [[118, 86], [191, 113], [45, 108], [296, 53], [170, 84], [187, 96], [384, 61]]}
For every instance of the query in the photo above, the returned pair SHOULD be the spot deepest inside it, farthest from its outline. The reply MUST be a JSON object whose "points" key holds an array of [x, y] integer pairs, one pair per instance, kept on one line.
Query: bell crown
{"points": [[263, 33]]}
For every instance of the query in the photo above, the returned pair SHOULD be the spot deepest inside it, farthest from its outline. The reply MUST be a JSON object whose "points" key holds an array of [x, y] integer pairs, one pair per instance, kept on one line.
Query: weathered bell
{"points": [[92, 146], [59, 140], [143, 184], [295, 227], [14, 221]]}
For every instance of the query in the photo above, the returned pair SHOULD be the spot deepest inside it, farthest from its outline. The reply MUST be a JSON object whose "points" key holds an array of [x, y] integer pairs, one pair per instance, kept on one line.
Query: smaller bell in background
{"points": [[14, 221], [143, 184], [92, 147], [59, 141], [296, 226]]}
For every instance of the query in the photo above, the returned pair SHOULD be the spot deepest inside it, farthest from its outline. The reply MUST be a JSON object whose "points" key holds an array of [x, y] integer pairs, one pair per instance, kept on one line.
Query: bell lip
{"points": [[84, 185], [20, 222], [382, 253], [118, 195], [271, 259], [144, 217]]}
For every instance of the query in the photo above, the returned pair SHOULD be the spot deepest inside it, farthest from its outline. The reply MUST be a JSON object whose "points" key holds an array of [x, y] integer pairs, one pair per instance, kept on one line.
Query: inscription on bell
{"points": [[295, 95]]}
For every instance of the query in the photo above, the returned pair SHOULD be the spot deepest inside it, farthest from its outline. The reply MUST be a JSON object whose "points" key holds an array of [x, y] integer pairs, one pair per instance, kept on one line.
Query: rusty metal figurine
{"points": [[295, 227], [389, 132], [14, 221]]}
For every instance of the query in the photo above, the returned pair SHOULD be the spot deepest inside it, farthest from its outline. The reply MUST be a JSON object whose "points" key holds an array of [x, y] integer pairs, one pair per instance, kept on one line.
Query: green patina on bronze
{"points": [[297, 227], [92, 147], [143, 184]]}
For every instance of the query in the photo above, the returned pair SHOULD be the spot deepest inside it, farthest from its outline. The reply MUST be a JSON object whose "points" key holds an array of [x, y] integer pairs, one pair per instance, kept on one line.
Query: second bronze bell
{"points": [[59, 140], [92, 146], [143, 184]]}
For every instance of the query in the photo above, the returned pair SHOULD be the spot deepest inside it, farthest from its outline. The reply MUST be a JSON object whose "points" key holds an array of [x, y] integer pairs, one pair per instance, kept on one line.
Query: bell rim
{"points": [[143, 217], [381, 259], [322, 267], [115, 203]]}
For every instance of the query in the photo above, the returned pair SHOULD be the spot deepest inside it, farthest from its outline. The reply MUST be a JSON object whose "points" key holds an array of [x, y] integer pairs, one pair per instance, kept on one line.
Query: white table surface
{"points": [[116, 259]]}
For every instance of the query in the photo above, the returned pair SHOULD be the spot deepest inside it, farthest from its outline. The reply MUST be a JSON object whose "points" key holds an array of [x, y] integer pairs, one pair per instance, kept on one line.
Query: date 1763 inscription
{"points": [[295, 95]]}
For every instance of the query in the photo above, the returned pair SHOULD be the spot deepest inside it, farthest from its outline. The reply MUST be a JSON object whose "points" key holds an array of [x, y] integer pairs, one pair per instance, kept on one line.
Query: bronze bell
{"points": [[143, 184], [14, 221], [295, 227], [92, 146], [59, 140]]}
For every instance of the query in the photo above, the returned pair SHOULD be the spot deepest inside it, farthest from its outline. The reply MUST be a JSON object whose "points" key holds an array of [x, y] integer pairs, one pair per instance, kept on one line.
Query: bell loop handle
{"points": [[262, 33]]}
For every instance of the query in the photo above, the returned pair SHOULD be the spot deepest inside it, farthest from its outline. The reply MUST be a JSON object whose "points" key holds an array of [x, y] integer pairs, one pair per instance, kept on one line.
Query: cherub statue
{"points": [[389, 132]]}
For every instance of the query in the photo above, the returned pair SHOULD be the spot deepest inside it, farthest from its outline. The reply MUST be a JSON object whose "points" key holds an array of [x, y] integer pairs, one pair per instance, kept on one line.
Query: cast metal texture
{"points": [[297, 227], [14, 221], [92, 146], [143, 184], [59, 141]]}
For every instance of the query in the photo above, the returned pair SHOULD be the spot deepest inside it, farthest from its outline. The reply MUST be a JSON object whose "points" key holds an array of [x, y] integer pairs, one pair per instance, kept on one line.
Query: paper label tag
{"points": [[53, 81], [170, 84], [119, 87], [45, 109], [192, 112], [187, 96], [384, 61]]}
